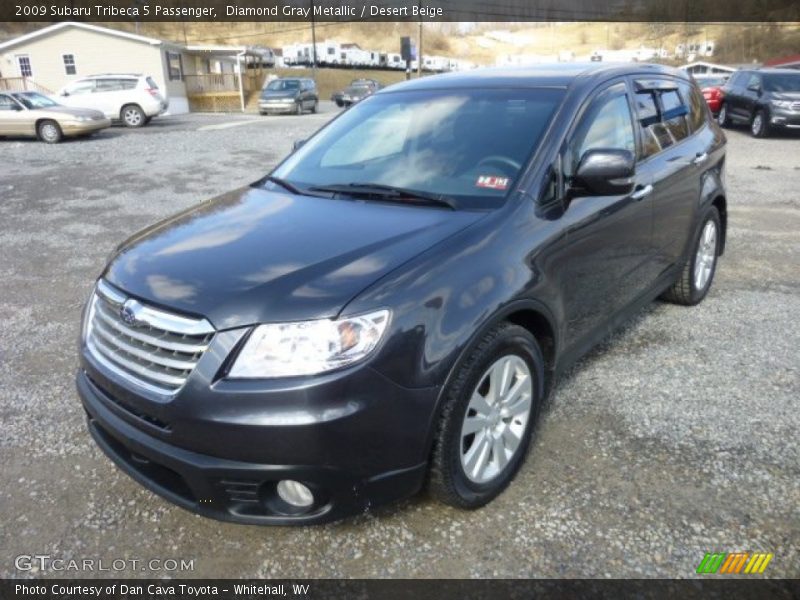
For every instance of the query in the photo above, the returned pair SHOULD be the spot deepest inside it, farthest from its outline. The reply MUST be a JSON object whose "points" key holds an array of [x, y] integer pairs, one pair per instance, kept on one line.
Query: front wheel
{"points": [[487, 417], [759, 126], [698, 273], [49, 132]]}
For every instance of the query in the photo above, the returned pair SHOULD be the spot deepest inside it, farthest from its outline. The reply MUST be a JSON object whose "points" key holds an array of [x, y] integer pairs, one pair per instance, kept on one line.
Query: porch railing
{"points": [[210, 83], [23, 83]]}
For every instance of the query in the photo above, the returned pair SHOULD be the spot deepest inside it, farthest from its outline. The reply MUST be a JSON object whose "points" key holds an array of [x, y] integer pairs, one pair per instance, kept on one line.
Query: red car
{"points": [[712, 91]]}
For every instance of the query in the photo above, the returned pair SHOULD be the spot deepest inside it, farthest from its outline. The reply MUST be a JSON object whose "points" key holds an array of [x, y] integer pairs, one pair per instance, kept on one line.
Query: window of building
{"points": [[69, 64], [174, 66], [24, 64]]}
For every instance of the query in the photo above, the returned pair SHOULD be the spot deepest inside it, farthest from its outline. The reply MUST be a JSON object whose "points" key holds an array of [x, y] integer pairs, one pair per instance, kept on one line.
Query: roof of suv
{"points": [[546, 75]]}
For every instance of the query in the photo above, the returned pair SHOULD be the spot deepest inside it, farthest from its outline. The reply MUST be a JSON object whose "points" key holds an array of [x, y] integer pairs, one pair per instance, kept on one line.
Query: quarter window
{"points": [[69, 64]]}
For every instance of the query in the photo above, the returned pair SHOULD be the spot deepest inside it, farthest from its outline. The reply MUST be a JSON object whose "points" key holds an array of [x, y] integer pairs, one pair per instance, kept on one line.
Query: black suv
{"points": [[393, 302], [763, 99]]}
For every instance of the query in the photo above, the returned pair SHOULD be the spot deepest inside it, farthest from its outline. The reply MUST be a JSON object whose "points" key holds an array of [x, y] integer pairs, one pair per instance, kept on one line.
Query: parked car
{"points": [[764, 99], [356, 91], [392, 303], [711, 87], [33, 114], [132, 99], [289, 95]]}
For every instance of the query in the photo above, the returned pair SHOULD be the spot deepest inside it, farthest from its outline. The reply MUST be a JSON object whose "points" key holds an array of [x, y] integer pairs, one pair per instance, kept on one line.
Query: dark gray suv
{"points": [[763, 99]]}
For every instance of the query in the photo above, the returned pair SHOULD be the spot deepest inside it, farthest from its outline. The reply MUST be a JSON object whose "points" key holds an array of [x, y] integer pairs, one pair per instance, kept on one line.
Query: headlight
{"points": [[309, 347], [781, 103], [82, 119]]}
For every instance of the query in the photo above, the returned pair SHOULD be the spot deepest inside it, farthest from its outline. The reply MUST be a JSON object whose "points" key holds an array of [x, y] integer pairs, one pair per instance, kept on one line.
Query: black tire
{"points": [[49, 131], [759, 125], [315, 108], [448, 481], [132, 115], [685, 291], [723, 118], [339, 102]]}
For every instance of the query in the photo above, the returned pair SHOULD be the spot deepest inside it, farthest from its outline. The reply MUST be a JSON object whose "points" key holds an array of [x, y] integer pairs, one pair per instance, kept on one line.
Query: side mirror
{"points": [[297, 144], [754, 88], [604, 172]]}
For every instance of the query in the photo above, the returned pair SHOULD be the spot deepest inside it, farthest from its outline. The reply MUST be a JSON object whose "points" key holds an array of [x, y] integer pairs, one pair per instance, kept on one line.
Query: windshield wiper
{"points": [[386, 192], [289, 187]]}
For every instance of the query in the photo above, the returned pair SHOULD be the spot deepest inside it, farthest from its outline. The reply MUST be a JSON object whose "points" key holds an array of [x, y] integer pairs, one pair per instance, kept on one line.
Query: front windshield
{"points": [[34, 100], [467, 145], [283, 85], [782, 83]]}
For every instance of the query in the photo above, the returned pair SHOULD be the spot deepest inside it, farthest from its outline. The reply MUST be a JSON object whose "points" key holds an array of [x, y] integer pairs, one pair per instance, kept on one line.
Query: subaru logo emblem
{"points": [[127, 313]]}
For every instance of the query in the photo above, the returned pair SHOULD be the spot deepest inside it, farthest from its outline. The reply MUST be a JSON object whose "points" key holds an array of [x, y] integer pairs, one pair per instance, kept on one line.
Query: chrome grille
{"points": [[154, 349]]}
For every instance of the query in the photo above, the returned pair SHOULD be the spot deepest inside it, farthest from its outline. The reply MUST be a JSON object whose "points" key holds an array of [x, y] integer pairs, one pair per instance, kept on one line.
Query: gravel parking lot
{"points": [[678, 436]]}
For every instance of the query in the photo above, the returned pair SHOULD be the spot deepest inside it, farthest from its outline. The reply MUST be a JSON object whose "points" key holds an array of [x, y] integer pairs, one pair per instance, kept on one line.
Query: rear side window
{"points": [[81, 87], [663, 120], [675, 112]]}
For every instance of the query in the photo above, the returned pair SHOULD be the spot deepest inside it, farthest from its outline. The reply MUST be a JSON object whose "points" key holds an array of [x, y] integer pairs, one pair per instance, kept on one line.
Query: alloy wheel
{"points": [[706, 255], [132, 117], [496, 417], [758, 123]]}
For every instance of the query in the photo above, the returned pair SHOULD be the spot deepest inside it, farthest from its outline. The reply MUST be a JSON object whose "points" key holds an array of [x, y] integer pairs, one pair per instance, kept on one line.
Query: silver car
{"points": [[35, 115]]}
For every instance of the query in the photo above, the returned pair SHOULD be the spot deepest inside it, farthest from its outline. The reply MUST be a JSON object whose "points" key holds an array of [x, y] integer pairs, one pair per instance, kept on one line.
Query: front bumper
{"points": [[277, 107], [780, 117], [82, 127], [355, 439]]}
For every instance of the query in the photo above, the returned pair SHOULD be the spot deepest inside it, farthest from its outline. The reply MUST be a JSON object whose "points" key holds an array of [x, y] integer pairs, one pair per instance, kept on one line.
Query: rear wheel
{"points": [[49, 131], [722, 118], [698, 273], [132, 116], [759, 126], [487, 418]]}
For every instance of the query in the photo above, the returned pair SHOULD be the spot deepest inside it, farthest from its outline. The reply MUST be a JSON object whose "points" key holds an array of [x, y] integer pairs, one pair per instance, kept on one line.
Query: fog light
{"points": [[295, 493]]}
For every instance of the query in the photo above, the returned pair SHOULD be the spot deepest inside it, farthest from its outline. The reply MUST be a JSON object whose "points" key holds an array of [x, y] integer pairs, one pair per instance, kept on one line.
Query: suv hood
{"points": [[254, 256]]}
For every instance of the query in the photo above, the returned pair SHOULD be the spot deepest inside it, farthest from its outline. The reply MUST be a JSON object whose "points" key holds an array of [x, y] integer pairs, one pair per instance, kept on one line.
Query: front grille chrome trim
{"points": [[158, 351]]}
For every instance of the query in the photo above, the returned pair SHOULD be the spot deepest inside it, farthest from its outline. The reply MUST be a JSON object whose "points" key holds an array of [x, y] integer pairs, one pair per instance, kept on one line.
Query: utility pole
{"points": [[419, 50], [313, 44]]}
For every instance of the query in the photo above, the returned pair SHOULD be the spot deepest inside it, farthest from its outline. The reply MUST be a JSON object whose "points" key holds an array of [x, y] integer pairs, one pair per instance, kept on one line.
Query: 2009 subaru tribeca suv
{"points": [[390, 306]]}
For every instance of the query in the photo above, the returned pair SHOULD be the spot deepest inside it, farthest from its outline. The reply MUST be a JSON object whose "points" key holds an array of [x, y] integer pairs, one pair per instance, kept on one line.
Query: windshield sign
{"points": [[464, 145]]}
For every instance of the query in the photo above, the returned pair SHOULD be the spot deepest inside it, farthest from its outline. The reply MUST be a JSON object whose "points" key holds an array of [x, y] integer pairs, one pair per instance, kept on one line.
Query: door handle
{"points": [[642, 192], [700, 158]]}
